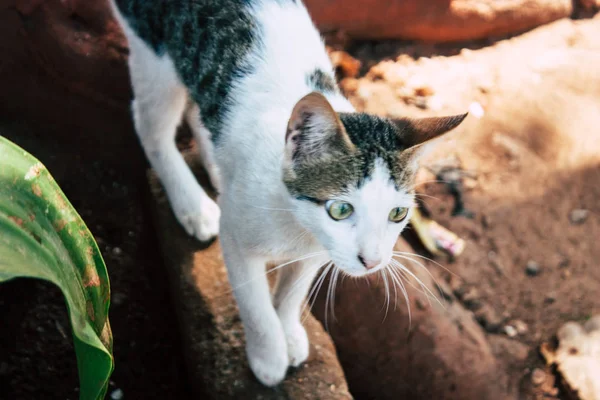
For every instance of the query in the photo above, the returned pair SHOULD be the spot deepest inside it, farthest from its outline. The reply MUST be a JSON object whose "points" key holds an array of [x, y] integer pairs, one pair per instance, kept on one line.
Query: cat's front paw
{"points": [[269, 361], [199, 219], [297, 344]]}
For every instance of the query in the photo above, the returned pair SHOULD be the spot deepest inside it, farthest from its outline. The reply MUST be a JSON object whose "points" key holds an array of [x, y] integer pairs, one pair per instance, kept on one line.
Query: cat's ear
{"points": [[315, 131], [414, 132]]}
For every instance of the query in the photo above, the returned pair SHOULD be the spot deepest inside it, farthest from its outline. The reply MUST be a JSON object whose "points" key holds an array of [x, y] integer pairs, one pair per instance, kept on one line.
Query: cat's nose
{"points": [[369, 263]]}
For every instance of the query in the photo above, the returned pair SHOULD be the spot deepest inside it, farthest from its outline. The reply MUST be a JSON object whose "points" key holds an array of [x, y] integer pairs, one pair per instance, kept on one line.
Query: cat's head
{"points": [[351, 176]]}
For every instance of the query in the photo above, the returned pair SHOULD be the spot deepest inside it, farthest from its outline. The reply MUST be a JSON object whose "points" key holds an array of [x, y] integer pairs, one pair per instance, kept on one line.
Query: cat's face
{"points": [[351, 179]]}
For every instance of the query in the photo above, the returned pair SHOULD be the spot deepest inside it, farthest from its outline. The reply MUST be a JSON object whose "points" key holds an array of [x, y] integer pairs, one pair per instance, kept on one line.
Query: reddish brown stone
{"points": [[434, 20], [69, 55], [438, 354]]}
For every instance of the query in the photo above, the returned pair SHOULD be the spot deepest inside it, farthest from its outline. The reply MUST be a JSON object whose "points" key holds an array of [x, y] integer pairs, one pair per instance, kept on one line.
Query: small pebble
{"points": [[118, 298], [476, 110], [532, 269], [538, 377], [564, 263], [566, 274], [116, 394], [520, 326], [421, 102], [332, 388], [489, 319], [510, 331], [578, 216], [550, 298]]}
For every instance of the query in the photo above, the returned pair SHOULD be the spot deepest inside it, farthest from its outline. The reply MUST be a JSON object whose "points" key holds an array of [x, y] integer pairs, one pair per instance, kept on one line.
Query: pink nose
{"points": [[369, 264]]}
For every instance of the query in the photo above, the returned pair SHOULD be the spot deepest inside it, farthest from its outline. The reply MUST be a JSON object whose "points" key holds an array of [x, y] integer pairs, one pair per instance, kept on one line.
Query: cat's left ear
{"points": [[315, 131], [414, 132]]}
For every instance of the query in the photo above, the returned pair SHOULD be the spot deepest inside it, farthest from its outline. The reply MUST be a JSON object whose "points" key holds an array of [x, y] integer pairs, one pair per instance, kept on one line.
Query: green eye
{"points": [[398, 214], [339, 210]]}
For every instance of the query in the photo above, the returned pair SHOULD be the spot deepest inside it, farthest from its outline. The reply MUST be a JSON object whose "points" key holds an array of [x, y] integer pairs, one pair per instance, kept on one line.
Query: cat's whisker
{"points": [[419, 264], [403, 253], [387, 294], [335, 281], [305, 257], [424, 183], [399, 269], [400, 273], [405, 271], [427, 196], [398, 281], [327, 300], [271, 209], [307, 274], [315, 289], [330, 298], [387, 271]]}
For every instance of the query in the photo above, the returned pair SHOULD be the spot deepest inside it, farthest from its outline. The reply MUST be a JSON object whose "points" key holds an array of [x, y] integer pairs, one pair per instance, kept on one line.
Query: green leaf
{"points": [[42, 236]]}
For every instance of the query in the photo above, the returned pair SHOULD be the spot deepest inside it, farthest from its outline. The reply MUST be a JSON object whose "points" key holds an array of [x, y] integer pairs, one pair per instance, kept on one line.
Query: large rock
{"points": [[212, 332], [434, 20], [69, 56], [437, 353]]}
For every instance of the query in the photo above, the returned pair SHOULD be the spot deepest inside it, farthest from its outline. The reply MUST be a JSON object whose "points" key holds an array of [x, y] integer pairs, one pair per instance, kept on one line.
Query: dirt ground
{"points": [[531, 148], [530, 158]]}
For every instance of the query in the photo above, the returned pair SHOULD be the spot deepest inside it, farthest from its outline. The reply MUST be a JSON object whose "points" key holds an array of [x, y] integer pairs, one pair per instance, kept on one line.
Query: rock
{"points": [[441, 353], [470, 297], [532, 268], [510, 331], [520, 326], [116, 394], [212, 333], [550, 298], [434, 21], [489, 319], [118, 298], [476, 110], [538, 377], [420, 102], [67, 55], [578, 216], [577, 358]]}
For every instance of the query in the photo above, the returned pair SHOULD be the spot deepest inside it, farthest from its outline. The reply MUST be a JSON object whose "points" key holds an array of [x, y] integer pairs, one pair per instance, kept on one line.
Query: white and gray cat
{"points": [[302, 177]]}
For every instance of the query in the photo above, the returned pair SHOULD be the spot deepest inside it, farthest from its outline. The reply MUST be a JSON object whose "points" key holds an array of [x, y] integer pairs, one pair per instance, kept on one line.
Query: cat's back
{"points": [[270, 45]]}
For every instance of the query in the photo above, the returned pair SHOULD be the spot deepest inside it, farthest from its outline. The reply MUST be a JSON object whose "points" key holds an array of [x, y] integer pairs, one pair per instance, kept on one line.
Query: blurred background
{"points": [[524, 168]]}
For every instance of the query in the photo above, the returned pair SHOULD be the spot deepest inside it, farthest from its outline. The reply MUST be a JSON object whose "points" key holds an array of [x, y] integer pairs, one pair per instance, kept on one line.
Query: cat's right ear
{"points": [[315, 131]]}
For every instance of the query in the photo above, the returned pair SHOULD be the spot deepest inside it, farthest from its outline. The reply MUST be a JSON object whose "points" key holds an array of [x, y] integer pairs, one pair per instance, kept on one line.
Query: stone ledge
{"points": [[213, 339]]}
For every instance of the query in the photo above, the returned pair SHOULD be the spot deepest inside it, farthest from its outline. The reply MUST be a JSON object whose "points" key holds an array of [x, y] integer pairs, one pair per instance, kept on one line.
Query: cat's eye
{"points": [[398, 214], [339, 210]]}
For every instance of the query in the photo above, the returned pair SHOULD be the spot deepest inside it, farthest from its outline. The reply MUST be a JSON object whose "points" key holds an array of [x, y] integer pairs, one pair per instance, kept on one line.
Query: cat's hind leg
{"points": [[205, 145], [158, 108]]}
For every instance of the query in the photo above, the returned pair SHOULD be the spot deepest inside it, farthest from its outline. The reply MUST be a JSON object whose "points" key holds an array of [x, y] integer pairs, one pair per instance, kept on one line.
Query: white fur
{"points": [[260, 222]]}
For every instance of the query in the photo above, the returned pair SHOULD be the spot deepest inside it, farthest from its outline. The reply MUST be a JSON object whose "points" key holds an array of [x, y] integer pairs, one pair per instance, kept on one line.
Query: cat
{"points": [[303, 179]]}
